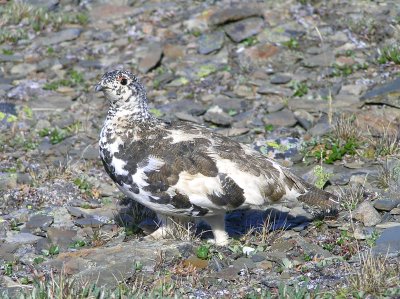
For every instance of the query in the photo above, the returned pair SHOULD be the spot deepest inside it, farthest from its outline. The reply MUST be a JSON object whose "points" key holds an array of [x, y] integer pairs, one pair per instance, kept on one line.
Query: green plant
{"points": [[7, 52], [333, 151], [203, 252], [53, 250], [8, 268], [371, 240], [157, 112], [55, 135], [321, 176], [269, 127], [344, 237], [78, 244], [250, 41], [82, 184], [292, 44], [38, 260], [389, 53], [299, 88]]}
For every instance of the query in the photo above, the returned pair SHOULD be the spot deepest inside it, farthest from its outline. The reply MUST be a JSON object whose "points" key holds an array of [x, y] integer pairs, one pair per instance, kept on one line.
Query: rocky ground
{"points": [[313, 84]]}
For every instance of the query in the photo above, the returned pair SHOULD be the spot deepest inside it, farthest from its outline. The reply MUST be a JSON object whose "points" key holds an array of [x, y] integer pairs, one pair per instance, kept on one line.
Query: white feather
{"points": [[180, 136]]}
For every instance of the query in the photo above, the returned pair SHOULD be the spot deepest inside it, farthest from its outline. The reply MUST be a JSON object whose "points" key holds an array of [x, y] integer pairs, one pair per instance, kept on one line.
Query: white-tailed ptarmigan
{"points": [[182, 169]]}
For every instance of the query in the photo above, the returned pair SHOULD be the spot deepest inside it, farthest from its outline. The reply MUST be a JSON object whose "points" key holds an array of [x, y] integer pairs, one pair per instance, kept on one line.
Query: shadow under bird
{"points": [[184, 170]]}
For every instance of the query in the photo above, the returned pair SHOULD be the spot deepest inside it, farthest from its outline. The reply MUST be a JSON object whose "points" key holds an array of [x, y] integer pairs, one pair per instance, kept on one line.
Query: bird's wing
{"points": [[189, 168]]}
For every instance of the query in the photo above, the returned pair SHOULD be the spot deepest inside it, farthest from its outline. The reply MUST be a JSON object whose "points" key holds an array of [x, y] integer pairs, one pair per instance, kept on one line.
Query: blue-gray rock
{"points": [[388, 243], [280, 79], [151, 58], [210, 42], [241, 30], [283, 118], [385, 204], [234, 14], [11, 58], [59, 37], [320, 129], [381, 90], [23, 238], [39, 221], [367, 214]]}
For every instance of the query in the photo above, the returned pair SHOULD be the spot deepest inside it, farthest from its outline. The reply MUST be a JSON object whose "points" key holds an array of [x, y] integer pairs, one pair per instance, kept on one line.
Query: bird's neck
{"points": [[133, 110]]}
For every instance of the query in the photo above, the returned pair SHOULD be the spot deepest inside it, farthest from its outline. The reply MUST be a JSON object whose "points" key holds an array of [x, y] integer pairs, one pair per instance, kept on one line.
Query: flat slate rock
{"points": [[23, 238], [390, 87], [151, 59], [283, 118], [241, 30], [39, 221], [59, 37], [210, 42], [109, 266], [388, 244], [234, 14], [385, 204]]}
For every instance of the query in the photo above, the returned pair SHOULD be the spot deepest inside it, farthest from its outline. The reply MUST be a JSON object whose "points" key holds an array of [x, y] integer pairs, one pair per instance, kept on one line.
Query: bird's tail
{"points": [[315, 200]]}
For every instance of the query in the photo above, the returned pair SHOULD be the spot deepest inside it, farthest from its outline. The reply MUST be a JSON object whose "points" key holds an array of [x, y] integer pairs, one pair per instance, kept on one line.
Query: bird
{"points": [[184, 170]]}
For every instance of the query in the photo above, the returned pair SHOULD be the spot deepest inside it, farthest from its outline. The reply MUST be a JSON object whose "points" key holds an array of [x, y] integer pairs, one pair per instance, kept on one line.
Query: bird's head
{"points": [[123, 90]]}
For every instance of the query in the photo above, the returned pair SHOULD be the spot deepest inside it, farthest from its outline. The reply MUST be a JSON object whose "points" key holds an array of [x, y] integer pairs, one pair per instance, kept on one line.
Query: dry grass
{"points": [[265, 234], [386, 143], [345, 128], [374, 274], [351, 196], [389, 175]]}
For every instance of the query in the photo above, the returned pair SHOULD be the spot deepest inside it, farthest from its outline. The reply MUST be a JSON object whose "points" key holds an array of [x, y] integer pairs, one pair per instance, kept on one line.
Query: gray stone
{"points": [[241, 30], [11, 58], [234, 14], [23, 69], [151, 58], [311, 248], [275, 107], [385, 204], [39, 221], [244, 263], [108, 266], [24, 178], [89, 222], [216, 116], [280, 79], [304, 118], [23, 238], [47, 4], [52, 102], [367, 214], [27, 89], [210, 42], [388, 244], [320, 129], [283, 118], [90, 152], [62, 237], [257, 258], [324, 59], [59, 37], [386, 93], [187, 117], [8, 181]]}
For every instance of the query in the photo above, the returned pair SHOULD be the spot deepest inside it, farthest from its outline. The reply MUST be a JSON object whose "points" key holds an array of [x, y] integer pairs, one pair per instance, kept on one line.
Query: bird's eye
{"points": [[124, 81]]}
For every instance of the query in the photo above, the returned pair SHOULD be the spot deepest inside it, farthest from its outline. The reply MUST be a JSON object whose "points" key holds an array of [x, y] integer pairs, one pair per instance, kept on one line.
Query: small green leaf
{"points": [[38, 260], [203, 251]]}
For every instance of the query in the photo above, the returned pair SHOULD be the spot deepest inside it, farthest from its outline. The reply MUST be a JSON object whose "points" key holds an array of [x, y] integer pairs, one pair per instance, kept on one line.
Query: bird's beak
{"points": [[98, 87]]}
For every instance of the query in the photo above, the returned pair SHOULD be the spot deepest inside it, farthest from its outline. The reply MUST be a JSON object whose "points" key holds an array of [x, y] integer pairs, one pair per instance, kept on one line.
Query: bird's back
{"points": [[185, 168]]}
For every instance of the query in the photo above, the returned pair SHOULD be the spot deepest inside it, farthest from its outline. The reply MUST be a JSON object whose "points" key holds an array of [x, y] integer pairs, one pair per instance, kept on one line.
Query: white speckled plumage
{"points": [[184, 170]]}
